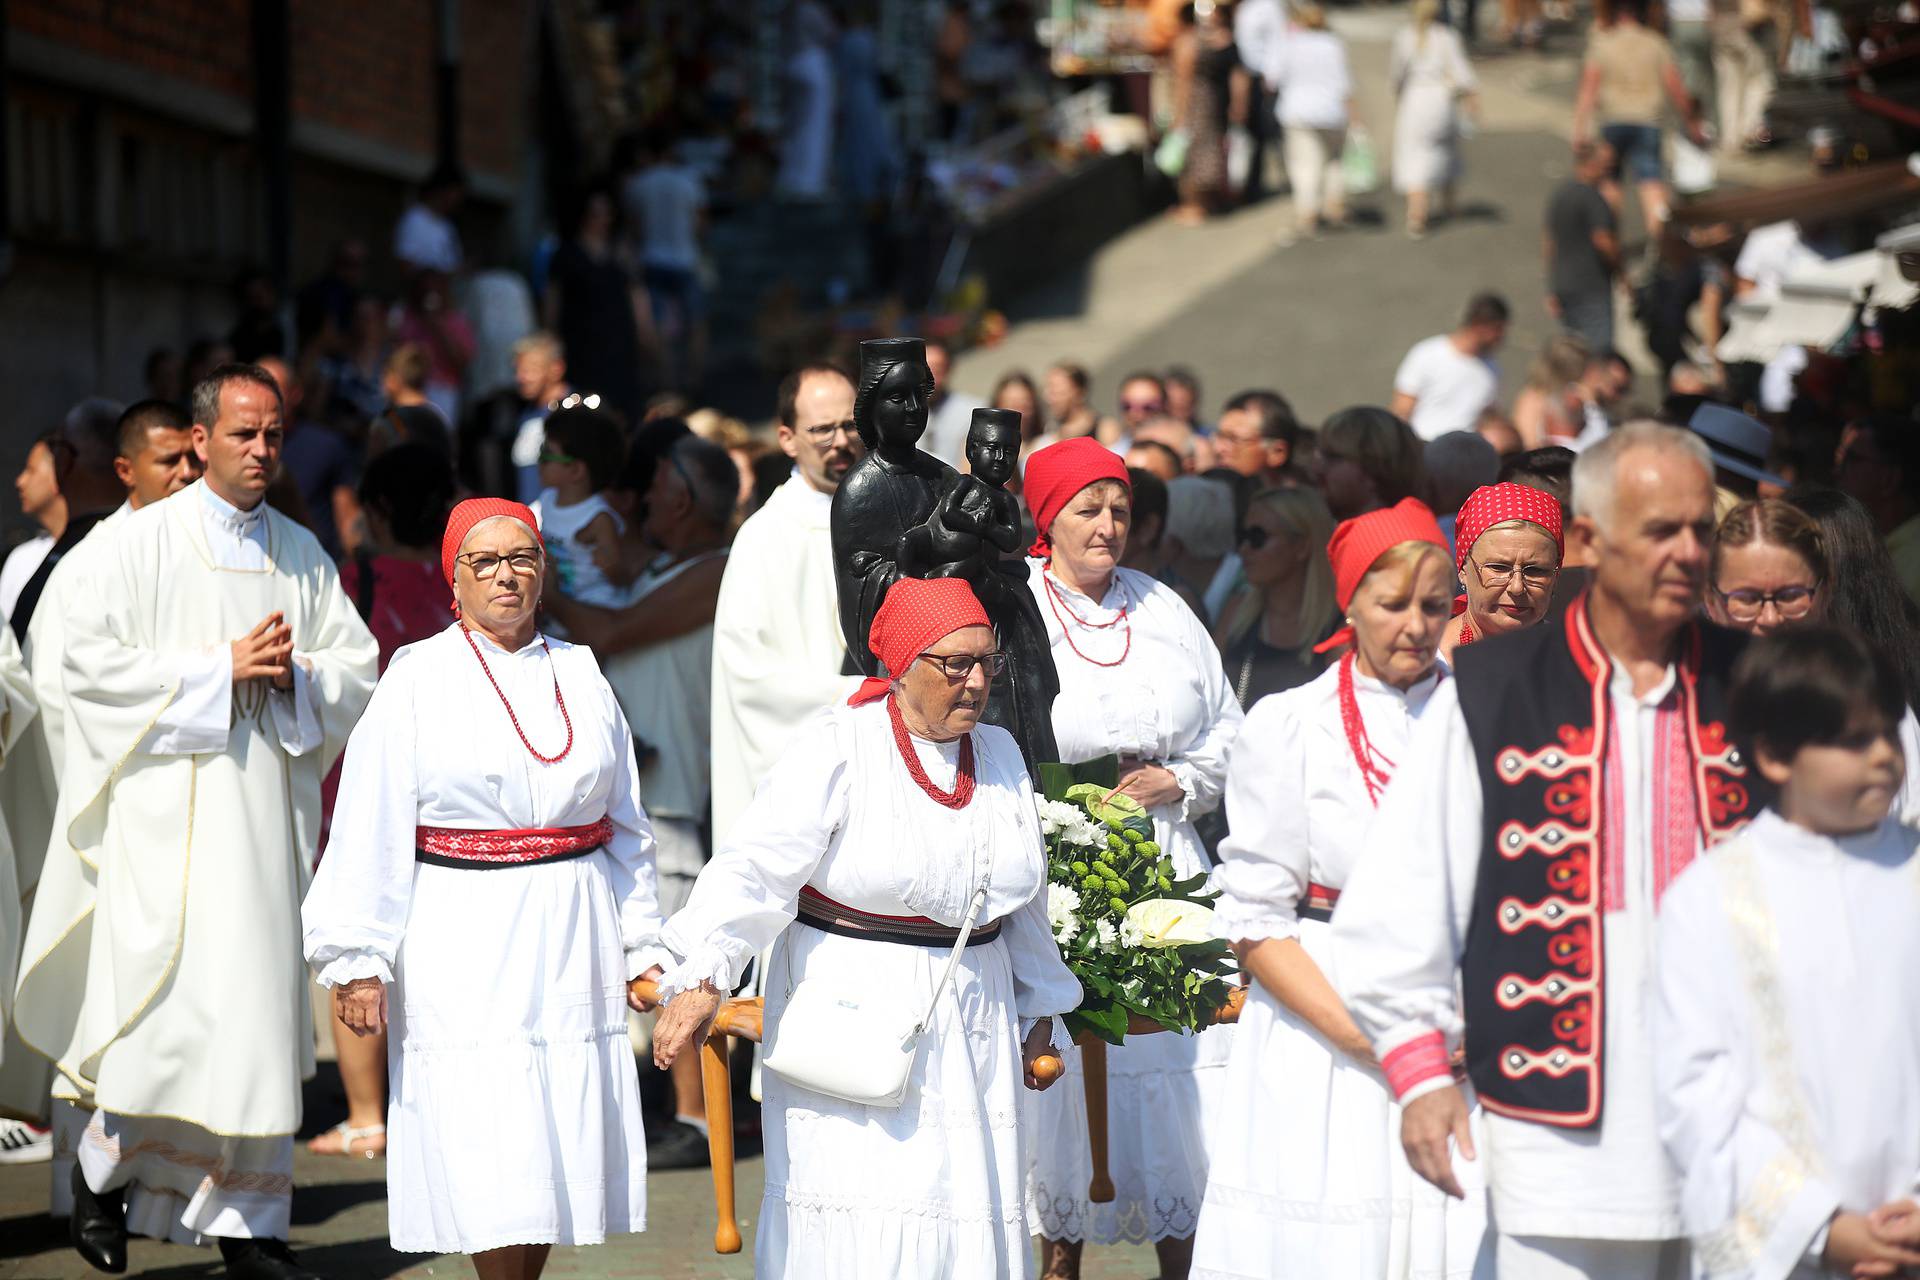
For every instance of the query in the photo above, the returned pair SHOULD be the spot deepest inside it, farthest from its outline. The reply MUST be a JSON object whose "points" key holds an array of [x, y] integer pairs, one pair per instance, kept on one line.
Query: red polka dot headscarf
{"points": [[1495, 504], [916, 613]]}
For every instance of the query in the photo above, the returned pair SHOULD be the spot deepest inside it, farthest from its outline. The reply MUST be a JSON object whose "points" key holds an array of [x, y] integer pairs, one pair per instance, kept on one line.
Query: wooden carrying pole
{"points": [[744, 1020], [737, 1018], [1093, 1074]]}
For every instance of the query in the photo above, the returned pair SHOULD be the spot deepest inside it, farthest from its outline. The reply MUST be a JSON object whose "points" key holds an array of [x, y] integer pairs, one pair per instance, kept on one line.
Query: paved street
{"points": [[1326, 322]]}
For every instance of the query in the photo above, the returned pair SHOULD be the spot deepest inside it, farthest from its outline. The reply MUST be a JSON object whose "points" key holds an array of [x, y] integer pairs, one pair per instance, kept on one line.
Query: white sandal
{"points": [[350, 1135]]}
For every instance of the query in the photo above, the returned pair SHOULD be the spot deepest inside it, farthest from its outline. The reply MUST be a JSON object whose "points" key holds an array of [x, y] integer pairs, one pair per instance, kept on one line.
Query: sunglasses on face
{"points": [[1141, 406], [1253, 537]]}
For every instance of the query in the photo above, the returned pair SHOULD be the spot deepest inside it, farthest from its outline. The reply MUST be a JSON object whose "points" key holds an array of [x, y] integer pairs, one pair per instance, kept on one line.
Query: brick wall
{"points": [[367, 66], [203, 42]]}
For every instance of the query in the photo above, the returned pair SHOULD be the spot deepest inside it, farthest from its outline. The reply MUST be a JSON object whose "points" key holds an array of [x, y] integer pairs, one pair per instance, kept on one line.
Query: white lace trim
{"points": [[706, 964], [1253, 926], [336, 967], [1137, 1218], [823, 1202]]}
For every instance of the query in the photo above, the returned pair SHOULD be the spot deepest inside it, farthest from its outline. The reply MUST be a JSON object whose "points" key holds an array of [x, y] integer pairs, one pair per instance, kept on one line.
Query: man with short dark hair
{"points": [[778, 653], [1143, 397], [1256, 437], [1582, 248], [1446, 382], [212, 667]]}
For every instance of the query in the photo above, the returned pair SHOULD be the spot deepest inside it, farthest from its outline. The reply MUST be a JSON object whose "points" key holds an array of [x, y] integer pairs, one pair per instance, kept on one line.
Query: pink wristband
{"points": [[1417, 1061]]}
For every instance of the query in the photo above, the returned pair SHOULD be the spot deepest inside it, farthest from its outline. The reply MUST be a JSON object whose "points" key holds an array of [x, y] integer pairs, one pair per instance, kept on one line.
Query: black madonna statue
{"points": [[902, 513]]}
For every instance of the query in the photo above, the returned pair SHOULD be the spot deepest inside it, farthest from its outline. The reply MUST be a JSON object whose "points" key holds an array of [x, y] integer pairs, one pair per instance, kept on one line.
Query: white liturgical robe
{"points": [[16, 713], [1787, 1040], [167, 981], [778, 654]]}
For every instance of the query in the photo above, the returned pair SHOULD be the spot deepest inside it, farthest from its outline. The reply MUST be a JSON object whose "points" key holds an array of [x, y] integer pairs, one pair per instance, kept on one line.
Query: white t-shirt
{"points": [[579, 576], [1770, 255], [1314, 83], [665, 202], [19, 569], [1259, 29], [1449, 389], [425, 239]]}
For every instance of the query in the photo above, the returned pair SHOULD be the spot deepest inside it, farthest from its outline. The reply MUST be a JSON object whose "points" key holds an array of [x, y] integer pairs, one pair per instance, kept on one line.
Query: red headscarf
{"points": [[1494, 504], [1057, 472], [916, 613], [1358, 542], [472, 512]]}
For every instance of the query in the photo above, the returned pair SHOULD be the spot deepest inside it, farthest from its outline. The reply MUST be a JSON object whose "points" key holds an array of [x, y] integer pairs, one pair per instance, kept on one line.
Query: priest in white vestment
{"points": [[212, 670], [778, 653], [1787, 1021], [490, 794], [896, 854], [1544, 803], [154, 458]]}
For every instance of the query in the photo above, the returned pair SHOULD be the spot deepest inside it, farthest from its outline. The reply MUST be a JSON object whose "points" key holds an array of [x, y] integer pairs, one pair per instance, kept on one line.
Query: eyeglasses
{"points": [[1496, 576], [824, 434], [1141, 406], [485, 564], [575, 401], [959, 666], [1744, 604]]}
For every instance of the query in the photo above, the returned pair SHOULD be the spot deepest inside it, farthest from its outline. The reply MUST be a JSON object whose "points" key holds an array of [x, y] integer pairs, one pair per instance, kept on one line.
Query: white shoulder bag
{"points": [[837, 1037]]}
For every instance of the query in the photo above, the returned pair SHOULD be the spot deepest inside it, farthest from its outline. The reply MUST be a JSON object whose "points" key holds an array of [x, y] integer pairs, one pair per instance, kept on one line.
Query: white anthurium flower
{"points": [[1162, 922]]}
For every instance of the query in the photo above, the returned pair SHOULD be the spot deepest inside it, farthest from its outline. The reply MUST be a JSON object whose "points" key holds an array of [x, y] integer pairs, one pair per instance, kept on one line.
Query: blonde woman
{"points": [[1544, 412], [1316, 105], [1269, 628], [1433, 82]]}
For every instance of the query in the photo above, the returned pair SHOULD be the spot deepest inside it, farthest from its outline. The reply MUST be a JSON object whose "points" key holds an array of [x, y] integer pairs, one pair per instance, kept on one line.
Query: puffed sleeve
{"points": [[1201, 767], [1265, 863], [1401, 923], [636, 885], [1752, 1205], [356, 909], [748, 893]]}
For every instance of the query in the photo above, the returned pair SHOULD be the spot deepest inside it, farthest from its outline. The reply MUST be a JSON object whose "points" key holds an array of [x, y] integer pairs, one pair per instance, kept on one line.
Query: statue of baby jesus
{"points": [[976, 522]]}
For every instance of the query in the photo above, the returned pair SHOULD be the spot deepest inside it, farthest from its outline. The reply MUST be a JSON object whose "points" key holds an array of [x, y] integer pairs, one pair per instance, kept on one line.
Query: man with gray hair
{"points": [[212, 667], [1551, 793]]}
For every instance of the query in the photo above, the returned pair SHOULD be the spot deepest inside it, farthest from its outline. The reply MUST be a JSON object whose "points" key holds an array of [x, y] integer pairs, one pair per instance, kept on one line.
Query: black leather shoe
{"points": [[262, 1260], [98, 1227], [678, 1146]]}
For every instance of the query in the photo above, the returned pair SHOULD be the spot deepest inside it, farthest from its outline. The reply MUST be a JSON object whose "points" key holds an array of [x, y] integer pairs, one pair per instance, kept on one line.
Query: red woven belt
{"points": [[1318, 904], [458, 847], [821, 912]]}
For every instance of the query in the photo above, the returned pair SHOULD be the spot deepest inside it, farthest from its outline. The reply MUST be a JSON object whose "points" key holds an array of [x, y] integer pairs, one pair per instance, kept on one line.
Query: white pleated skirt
{"points": [[515, 1116], [1308, 1177], [929, 1190]]}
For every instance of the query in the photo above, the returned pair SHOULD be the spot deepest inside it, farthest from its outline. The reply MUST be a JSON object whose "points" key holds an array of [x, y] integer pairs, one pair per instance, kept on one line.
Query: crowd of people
{"points": [[1445, 701]]}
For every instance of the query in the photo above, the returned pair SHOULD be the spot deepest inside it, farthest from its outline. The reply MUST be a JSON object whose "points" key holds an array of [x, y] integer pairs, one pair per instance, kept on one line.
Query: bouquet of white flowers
{"points": [[1139, 940]]}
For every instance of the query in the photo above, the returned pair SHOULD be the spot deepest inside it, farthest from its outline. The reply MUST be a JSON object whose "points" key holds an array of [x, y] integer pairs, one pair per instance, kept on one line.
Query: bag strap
{"points": [[953, 960]]}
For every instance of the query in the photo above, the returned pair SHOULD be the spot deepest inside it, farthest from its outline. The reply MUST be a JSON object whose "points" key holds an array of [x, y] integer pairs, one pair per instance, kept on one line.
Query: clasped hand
{"points": [[1885, 1242], [361, 1006], [265, 652]]}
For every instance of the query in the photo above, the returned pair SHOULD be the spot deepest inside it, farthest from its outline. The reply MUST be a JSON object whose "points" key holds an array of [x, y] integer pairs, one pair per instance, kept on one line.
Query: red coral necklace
{"points": [[1059, 603], [501, 694], [1375, 769], [962, 792]]}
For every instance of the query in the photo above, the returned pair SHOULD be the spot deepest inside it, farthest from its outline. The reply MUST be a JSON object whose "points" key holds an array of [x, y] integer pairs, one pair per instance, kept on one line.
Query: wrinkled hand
{"points": [[637, 1002], [265, 652], [1151, 784], [685, 1022], [362, 1006], [1425, 1125], [1039, 1044], [1897, 1223], [1853, 1246]]}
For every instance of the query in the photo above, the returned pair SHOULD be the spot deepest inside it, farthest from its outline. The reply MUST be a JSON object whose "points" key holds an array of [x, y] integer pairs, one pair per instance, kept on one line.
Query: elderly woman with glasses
{"points": [[893, 858], [489, 863], [1507, 551], [1140, 679]]}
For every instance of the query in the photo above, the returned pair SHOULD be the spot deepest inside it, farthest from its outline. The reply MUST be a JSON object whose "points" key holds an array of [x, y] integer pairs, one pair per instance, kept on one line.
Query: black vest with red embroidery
{"points": [[1536, 704]]}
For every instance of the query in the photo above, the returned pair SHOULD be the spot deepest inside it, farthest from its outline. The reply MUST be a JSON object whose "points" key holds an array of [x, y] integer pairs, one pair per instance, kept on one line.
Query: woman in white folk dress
{"points": [[1139, 678], [1434, 84], [864, 853], [1308, 1178], [490, 862]]}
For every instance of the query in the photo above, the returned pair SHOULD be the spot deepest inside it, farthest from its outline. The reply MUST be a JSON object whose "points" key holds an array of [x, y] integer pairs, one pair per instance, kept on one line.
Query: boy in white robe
{"points": [[212, 671], [1787, 1024]]}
